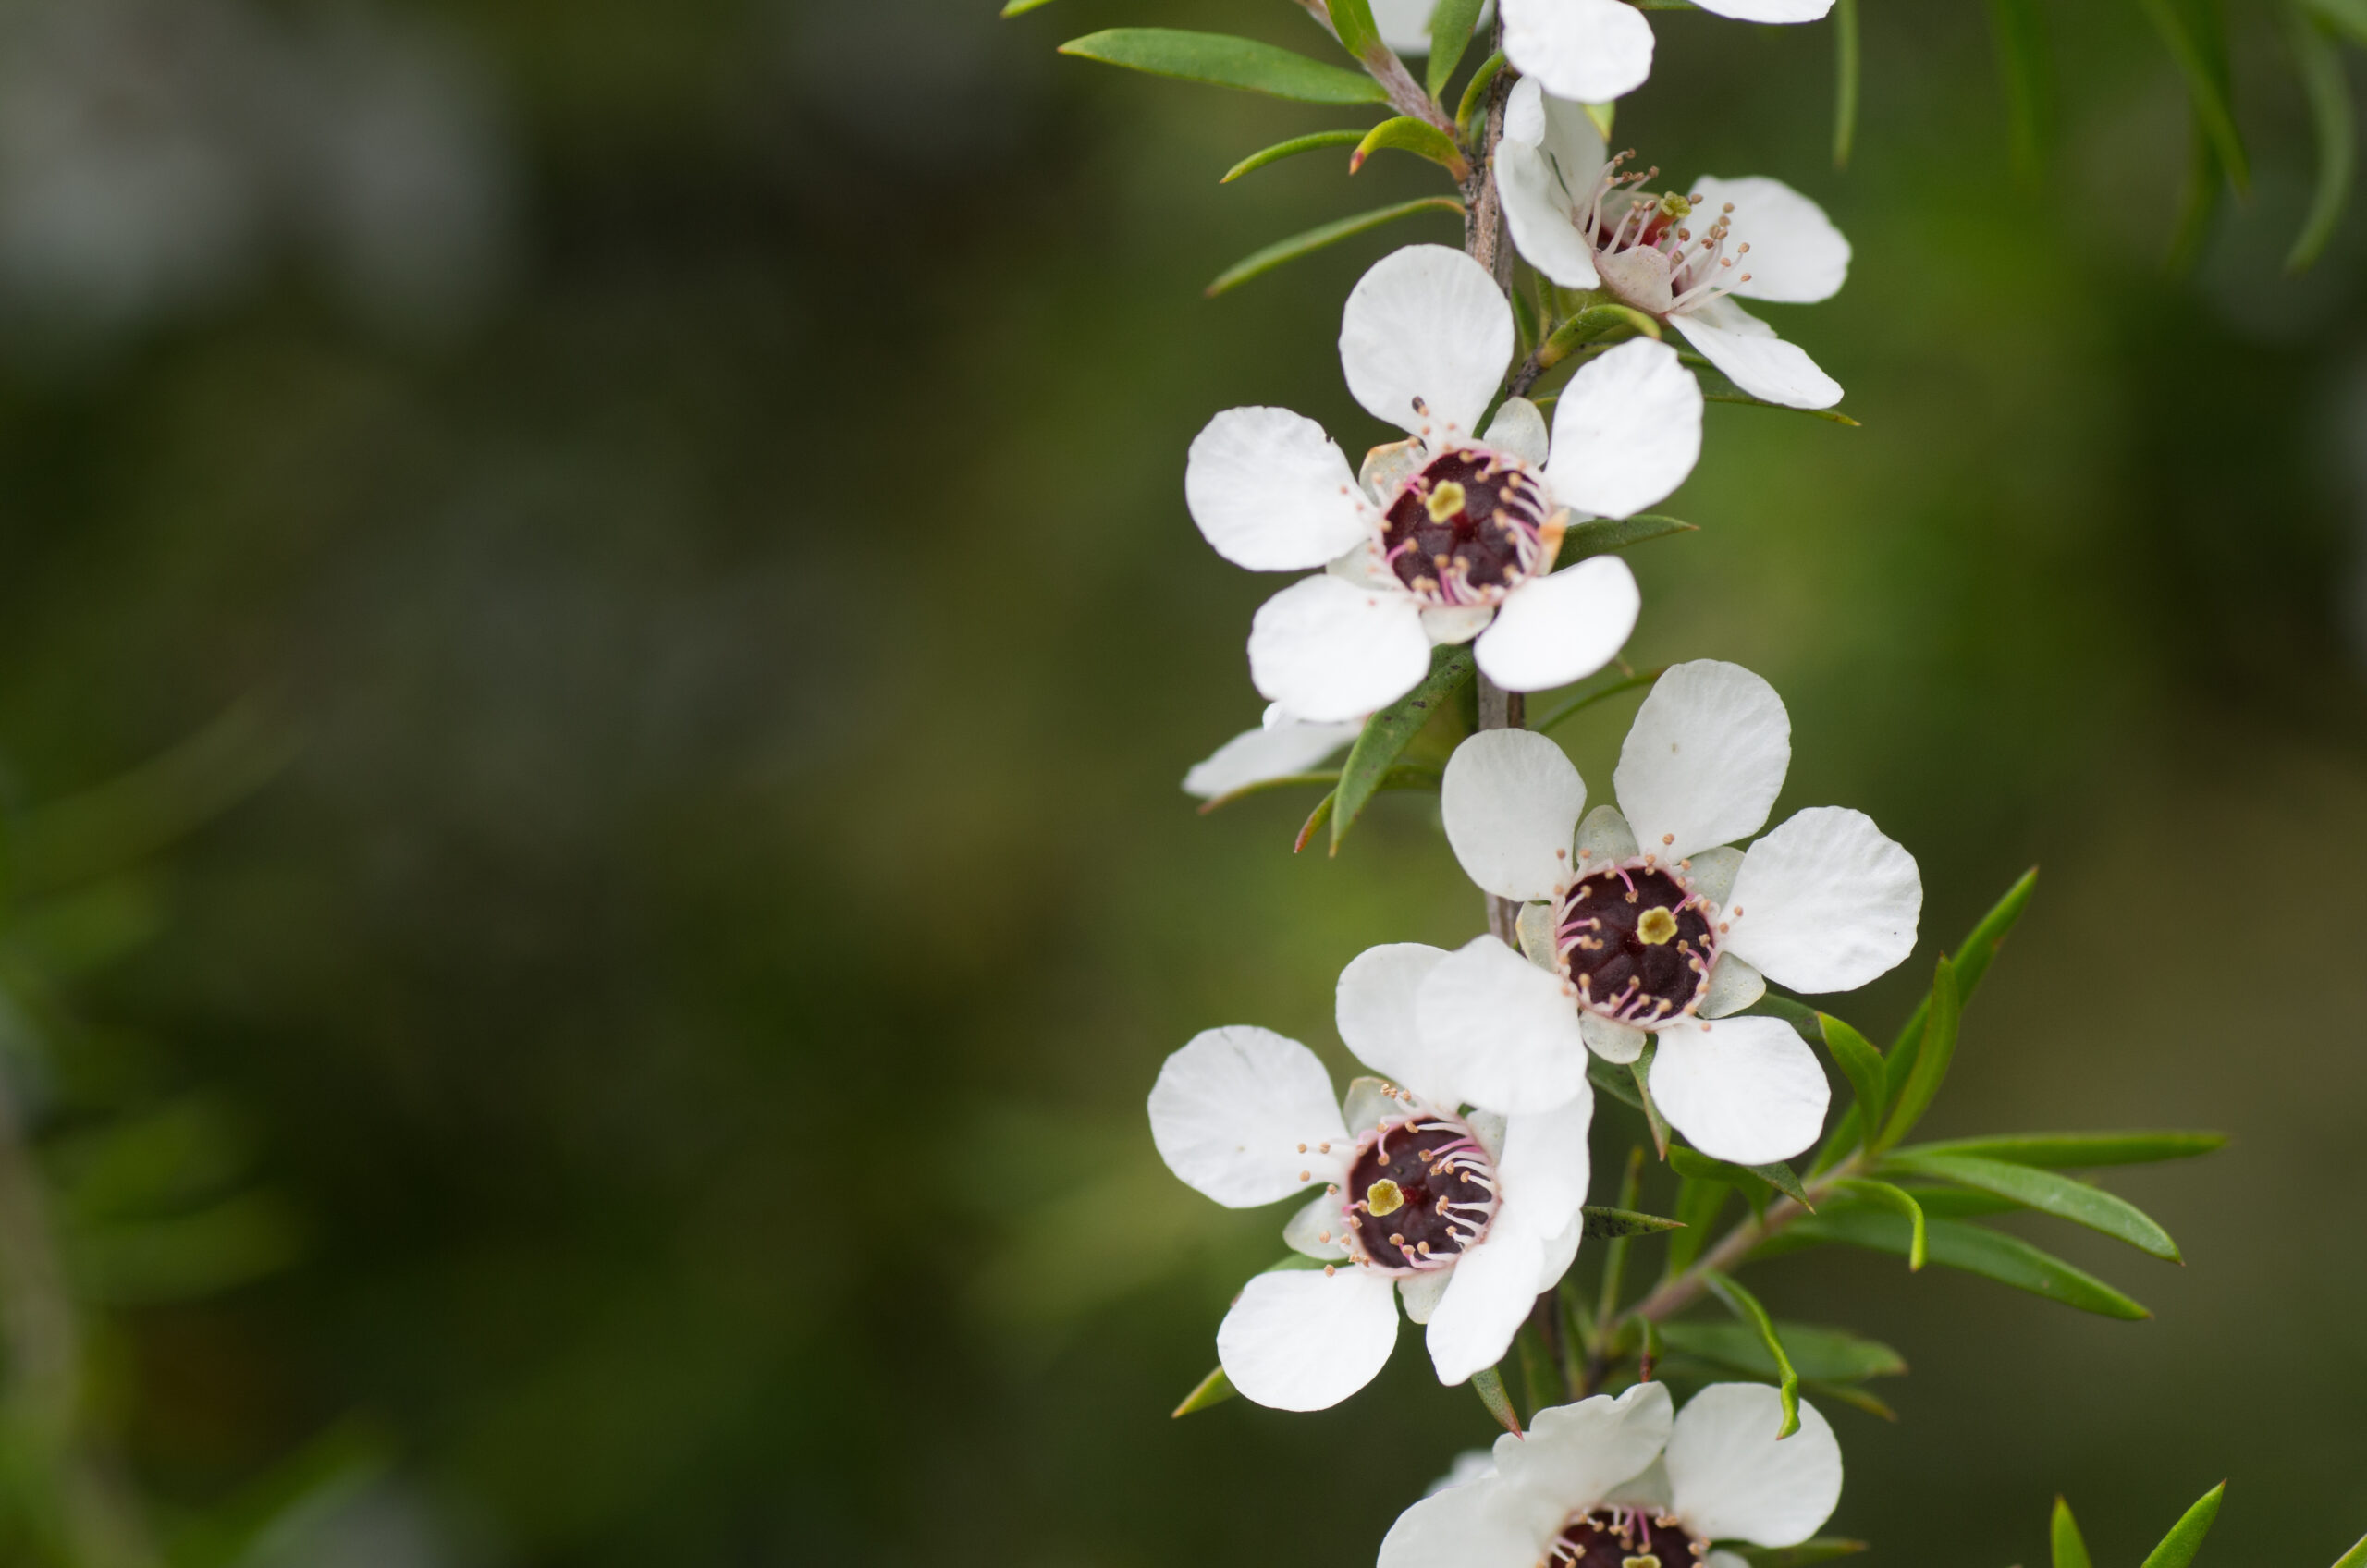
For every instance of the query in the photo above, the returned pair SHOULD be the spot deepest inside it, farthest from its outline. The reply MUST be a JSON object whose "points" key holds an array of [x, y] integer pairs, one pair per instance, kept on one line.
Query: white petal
{"points": [[1255, 755], [1328, 650], [1725, 1560], [1704, 760], [1588, 50], [1734, 985], [1299, 1339], [1492, 1291], [1627, 431], [1230, 1109], [1742, 1089], [1506, 1030], [1825, 902], [1615, 1042], [1453, 624], [1471, 1464], [1551, 631], [1426, 324], [1475, 1526], [1606, 835], [1271, 492], [1519, 429], [1730, 1479], [1576, 1454], [1561, 127], [1538, 209], [1767, 10], [1511, 800], [1797, 256], [1374, 1009], [1711, 872], [1647, 1488], [1543, 1171], [1315, 1230], [1422, 1292], [1754, 358]]}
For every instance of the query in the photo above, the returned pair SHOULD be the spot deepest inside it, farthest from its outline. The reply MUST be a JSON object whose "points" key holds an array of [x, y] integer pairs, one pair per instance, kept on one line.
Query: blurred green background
{"points": [[648, 542]]}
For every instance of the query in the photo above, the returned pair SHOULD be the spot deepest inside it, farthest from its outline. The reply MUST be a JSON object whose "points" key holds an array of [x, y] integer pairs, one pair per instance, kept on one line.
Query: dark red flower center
{"points": [[1637, 942], [1422, 1191], [1466, 528], [1624, 1538]]}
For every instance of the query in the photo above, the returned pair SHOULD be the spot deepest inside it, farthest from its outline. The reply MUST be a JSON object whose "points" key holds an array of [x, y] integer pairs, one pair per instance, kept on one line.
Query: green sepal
{"points": [[1221, 60], [1821, 1355], [1603, 1224], [1291, 149], [2064, 1197], [1975, 1249], [1214, 1389], [1450, 27], [1744, 1306], [1420, 138], [1387, 734], [1899, 1201], [1259, 263], [2062, 1536], [2177, 1548], [1913, 1082]]}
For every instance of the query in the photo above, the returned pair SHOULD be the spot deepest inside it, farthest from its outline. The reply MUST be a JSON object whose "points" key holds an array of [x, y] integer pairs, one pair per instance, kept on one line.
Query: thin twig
{"points": [[1381, 63]]}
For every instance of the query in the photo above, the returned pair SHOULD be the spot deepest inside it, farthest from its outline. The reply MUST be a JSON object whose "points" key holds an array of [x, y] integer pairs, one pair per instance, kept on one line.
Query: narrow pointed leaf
{"points": [[1899, 1201], [1975, 1249], [2066, 1197], [1601, 536], [1853, 1396], [1823, 1355], [1640, 1069], [1450, 27], [1420, 138], [1614, 1255], [1844, 80], [2177, 1548], [1744, 1306], [1602, 693], [1604, 1223], [2073, 1150], [1291, 149], [1315, 821], [1259, 263], [2356, 1557], [2326, 85], [1405, 776], [1389, 733], [1352, 19], [2196, 37], [1021, 7], [1818, 1549], [1474, 92], [1930, 1068], [1859, 1061], [1490, 1386], [1697, 1204], [2019, 28], [1214, 1389], [1615, 1080], [2062, 1534], [1223, 60]]}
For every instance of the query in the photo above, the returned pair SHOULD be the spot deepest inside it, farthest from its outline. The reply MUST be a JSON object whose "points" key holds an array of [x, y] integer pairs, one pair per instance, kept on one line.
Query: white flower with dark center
{"points": [[1684, 255], [1593, 51], [1617, 1483], [1466, 1214], [1279, 747], [1451, 534], [1648, 925]]}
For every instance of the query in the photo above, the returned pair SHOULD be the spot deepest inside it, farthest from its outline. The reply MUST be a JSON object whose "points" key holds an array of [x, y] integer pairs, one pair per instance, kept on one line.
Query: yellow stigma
{"points": [[1657, 927], [1676, 207], [1385, 1197], [1446, 498], [1647, 1560]]}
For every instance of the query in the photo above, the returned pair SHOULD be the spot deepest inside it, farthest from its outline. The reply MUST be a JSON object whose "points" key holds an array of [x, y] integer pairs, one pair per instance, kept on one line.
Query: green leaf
{"points": [[1698, 1203], [2326, 86], [1719, 389], [1490, 1386], [1405, 776], [1258, 262], [2348, 18], [1640, 1069], [1221, 60], [1818, 1549], [1614, 1080], [2356, 1557], [1859, 1061], [2073, 1150], [1214, 1389], [1850, 1394], [2062, 1196], [1420, 138], [1475, 92], [1315, 821], [1600, 537], [1352, 19], [1450, 27], [2070, 1551], [1602, 693], [1975, 1249], [1291, 149], [1604, 1223], [1825, 1355], [1844, 80], [1930, 1066], [2196, 36], [1744, 1306], [1021, 7], [2019, 28], [1898, 1200], [1701, 1168], [2177, 1548], [1388, 733]]}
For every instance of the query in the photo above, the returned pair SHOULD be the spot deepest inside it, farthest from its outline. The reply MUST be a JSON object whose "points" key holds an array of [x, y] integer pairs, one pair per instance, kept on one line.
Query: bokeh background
{"points": [[598, 635]]}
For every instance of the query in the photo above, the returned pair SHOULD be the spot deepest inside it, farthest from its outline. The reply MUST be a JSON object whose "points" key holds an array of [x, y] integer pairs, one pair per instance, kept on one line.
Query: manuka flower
{"points": [[1280, 746], [1466, 1214], [1612, 1483], [1684, 256], [1593, 51], [1450, 535], [1648, 925]]}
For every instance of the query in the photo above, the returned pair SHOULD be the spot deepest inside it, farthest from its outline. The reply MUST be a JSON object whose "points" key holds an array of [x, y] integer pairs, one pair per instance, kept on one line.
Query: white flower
{"points": [[1283, 744], [1665, 938], [1593, 51], [1446, 537], [1582, 223], [1607, 1481], [1466, 1214]]}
